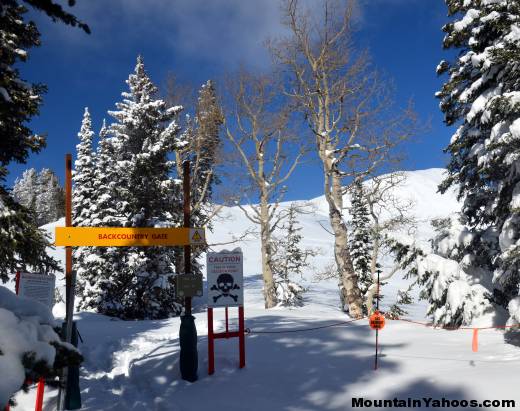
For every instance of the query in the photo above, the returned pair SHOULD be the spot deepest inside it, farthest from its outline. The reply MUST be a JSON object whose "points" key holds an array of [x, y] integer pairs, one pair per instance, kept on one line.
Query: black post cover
{"points": [[72, 391], [188, 342]]}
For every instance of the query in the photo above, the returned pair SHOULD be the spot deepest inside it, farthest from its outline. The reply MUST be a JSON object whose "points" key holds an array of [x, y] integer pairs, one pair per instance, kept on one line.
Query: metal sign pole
{"points": [[69, 396], [69, 292], [211, 343], [241, 337], [68, 250], [188, 332], [187, 212]]}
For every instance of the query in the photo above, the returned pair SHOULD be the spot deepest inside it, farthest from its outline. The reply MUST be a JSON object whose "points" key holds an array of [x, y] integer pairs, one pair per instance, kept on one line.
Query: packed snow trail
{"points": [[135, 365]]}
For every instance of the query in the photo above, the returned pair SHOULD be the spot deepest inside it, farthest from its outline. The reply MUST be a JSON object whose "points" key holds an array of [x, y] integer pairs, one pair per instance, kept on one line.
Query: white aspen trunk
{"points": [[265, 233], [265, 238], [351, 294], [351, 297], [369, 298]]}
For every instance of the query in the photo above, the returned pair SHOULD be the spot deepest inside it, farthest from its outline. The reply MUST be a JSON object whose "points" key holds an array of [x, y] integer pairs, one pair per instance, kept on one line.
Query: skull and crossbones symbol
{"points": [[225, 283]]}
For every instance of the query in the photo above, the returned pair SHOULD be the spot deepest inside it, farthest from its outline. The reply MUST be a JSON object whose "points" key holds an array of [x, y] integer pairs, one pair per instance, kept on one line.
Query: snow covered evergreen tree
{"points": [[103, 212], [42, 194], [96, 290], [360, 243], [458, 289], [26, 189], [143, 137], [483, 96], [22, 244], [407, 258], [289, 260], [83, 196], [83, 175], [50, 201], [20, 100]]}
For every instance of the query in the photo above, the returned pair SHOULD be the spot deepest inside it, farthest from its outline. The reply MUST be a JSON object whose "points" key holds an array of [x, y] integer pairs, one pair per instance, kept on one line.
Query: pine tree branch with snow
{"points": [[482, 96]]}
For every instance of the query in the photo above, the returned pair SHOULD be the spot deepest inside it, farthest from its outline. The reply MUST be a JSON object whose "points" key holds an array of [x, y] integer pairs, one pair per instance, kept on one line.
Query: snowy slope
{"points": [[135, 365]]}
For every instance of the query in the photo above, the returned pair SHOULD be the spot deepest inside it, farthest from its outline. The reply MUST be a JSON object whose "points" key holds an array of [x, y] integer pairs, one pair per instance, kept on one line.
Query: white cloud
{"points": [[223, 32]]}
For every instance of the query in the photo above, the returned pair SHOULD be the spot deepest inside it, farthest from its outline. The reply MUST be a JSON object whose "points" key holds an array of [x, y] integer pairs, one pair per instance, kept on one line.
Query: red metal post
{"points": [[211, 343], [17, 284], [39, 395], [227, 323], [241, 336]]}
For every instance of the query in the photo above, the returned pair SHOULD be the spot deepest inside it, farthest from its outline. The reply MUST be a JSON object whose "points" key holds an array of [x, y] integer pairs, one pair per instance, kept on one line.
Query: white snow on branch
{"points": [[470, 16]]}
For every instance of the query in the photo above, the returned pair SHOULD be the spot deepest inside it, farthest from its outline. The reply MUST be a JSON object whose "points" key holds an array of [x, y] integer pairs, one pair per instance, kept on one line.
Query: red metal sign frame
{"points": [[212, 336]]}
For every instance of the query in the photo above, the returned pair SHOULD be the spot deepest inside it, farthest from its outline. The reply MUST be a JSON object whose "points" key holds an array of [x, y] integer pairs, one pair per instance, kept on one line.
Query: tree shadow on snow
{"points": [[424, 391]]}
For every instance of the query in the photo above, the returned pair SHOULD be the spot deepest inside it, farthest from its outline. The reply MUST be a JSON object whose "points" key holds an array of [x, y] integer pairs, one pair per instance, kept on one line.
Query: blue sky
{"points": [[202, 39]]}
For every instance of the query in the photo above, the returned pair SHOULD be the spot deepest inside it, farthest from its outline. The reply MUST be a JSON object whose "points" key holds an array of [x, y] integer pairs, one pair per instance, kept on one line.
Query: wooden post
{"points": [[17, 284], [241, 336], [211, 343], [69, 292], [188, 332], [187, 248]]}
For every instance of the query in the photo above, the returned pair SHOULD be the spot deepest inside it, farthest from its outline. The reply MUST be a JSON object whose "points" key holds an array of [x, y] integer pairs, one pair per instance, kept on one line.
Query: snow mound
{"points": [[30, 331]]}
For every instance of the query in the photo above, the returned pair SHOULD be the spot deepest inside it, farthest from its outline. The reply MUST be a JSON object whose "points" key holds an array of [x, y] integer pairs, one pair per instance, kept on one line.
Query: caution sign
{"points": [[377, 321], [38, 287], [225, 278], [127, 237]]}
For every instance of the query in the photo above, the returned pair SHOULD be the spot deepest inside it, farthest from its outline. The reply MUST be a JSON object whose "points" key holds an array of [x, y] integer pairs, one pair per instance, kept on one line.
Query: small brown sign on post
{"points": [[189, 285]]}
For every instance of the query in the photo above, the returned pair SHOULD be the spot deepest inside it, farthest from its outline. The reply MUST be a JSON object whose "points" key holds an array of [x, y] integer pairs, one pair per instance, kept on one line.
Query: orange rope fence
{"points": [[474, 341], [454, 328], [474, 345]]}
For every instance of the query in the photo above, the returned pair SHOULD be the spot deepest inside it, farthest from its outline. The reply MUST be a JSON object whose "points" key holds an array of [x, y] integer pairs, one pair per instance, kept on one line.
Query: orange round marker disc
{"points": [[377, 321]]}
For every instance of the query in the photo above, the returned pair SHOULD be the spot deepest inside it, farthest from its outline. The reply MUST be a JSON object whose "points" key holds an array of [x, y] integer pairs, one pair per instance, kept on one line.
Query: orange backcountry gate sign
{"points": [[125, 237], [377, 321]]}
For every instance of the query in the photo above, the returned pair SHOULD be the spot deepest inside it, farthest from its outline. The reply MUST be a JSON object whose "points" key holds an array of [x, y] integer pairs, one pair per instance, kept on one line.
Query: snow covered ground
{"points": [[134, 365]]}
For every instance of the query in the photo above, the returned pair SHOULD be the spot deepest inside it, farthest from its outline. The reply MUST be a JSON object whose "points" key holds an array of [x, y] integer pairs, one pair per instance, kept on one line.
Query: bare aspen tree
{"points": [[390, 214], [345, 105], [256, 126]]}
